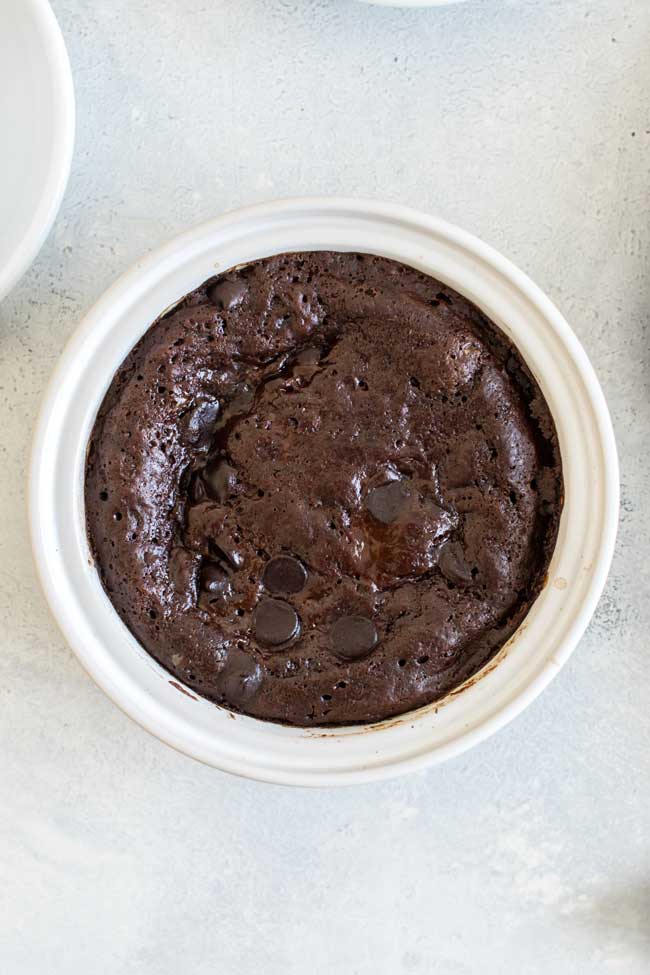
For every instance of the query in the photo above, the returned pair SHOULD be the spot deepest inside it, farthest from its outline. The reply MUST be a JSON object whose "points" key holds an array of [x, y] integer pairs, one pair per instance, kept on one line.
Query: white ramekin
{"points": [[37, 115], [322, 756]]}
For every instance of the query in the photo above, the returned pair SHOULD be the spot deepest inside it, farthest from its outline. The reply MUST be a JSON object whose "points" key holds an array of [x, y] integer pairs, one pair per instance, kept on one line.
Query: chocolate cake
{"points": [[323, 489]]}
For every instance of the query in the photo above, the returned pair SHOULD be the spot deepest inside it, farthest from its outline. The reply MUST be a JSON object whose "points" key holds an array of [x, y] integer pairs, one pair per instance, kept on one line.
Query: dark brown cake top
{"points": [[323, 489]]}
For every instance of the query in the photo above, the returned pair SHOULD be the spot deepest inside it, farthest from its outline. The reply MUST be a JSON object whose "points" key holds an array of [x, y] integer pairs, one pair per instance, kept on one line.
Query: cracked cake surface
{"points": [[323, 489]]}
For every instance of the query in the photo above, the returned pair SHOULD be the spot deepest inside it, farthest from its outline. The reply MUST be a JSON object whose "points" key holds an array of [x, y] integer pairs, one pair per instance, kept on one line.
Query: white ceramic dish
{"points": [[344, 755], [37, 122]]}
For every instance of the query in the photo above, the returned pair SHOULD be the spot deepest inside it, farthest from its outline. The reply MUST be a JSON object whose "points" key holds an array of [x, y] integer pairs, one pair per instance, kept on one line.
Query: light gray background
{"points": [[527, 122]]}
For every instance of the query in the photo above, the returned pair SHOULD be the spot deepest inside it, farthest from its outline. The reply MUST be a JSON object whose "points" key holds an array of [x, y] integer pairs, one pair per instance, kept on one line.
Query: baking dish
{"points": [[324, 756]]}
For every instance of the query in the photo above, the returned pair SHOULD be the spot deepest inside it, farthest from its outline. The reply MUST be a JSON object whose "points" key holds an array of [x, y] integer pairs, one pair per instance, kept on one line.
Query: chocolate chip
{"points": [[219, 478], [353, 637], [240, 679], [225, 550], [275, 622], [183, 570], [241, 399], [304, 367], [453, 565], [386, 502], [214, 578], [199, 422], [284, 575], [308, 356], [197, 490], [226, 295]]}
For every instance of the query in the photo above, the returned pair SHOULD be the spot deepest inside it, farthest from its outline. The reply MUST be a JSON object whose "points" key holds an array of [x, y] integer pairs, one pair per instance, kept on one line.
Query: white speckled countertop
{"points": [[527, 122]]}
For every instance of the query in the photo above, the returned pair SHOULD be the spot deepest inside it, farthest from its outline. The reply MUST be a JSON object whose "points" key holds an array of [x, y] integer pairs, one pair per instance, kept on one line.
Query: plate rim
{"points": [[62, 90]]}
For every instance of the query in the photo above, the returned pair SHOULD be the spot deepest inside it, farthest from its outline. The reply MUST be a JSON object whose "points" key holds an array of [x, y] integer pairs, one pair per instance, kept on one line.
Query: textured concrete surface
{"points": [[528, 122]]}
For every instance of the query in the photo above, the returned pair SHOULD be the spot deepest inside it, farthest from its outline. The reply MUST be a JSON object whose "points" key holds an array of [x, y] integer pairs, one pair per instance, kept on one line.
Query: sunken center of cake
{"points": [[323, 489]]}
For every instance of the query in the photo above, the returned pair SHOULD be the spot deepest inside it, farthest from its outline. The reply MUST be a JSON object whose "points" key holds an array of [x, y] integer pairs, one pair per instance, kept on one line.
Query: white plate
{"points": [[324, 756], [37, 125]]}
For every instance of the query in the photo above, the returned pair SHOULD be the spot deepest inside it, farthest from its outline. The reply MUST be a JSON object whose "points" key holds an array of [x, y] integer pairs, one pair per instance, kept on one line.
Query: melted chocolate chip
{"points": [[284, 575], [214, 578], [226, 551], [199, 422], [183, 569], [309, 356], [241, 400], [219, 478], [240, 679], [226, 295], [275, 622], [197, 490], [304, 366], [353, 637], [453, 565], [386, 502]]}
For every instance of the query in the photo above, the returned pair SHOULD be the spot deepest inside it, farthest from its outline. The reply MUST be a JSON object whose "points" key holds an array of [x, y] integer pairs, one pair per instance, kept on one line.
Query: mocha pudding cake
{"points": [[323, 489]]}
